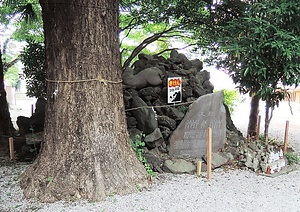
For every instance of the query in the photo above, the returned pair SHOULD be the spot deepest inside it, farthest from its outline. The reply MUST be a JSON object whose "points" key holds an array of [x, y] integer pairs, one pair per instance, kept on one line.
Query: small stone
{"points": [[179, 166]]}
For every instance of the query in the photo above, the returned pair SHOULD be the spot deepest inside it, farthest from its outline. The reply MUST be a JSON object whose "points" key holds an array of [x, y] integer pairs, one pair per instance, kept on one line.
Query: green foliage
{"points": [[25, 16], [138, 147], [276, 143], [31, 25], [272, 141], [147, 38], [160, 23], [230, 98], [10, 58], [182, 108], [24, 20], [33, 137], [292, 158], [50, 179], [33, 58], [261, 49], [12, 76]]}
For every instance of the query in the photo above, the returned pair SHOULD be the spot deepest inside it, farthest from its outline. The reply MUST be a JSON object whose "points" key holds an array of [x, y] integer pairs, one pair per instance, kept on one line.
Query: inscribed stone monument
{"points": [[190, 137]]}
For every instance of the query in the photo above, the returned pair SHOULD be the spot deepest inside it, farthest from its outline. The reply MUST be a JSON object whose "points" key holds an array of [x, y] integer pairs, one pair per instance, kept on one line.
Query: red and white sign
{"points": [[174, 89]]}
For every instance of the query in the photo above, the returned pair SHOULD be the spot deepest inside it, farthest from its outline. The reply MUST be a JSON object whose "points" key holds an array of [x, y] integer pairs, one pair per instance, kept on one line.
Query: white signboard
{"points": [[174, 89]]}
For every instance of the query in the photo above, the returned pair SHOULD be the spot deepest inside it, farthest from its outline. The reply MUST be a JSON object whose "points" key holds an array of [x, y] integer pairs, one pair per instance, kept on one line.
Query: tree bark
{"points": [[268, 118], [253, 117], [6, 126], [86, 151], [267, 122]]}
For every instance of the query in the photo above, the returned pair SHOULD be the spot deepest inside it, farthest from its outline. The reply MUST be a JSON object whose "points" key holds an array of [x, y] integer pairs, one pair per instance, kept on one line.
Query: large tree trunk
{"points": [[6, 126], [86, 152], [253, 117]]}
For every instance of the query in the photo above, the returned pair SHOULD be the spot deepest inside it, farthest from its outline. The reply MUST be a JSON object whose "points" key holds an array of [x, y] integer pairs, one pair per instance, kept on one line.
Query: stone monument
{"points": [[190, 137]]}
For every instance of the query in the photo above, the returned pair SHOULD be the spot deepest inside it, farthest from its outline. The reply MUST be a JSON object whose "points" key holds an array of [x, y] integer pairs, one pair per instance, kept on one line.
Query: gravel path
{"points": [[232, 190], [228, 190]]}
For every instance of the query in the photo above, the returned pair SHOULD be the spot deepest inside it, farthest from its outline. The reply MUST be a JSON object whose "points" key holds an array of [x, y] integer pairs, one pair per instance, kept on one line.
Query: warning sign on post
{"points": [[174, 90]]}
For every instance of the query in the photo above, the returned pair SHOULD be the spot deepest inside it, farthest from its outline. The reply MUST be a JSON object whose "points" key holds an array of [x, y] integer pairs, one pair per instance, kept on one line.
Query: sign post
{"points": [[174, 89]]}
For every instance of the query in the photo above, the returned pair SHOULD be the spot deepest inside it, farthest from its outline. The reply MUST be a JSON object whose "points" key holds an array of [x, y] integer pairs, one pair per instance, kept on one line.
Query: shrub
{"points": [[138, 147], [33, 58], [230, 99], [292, 158]]}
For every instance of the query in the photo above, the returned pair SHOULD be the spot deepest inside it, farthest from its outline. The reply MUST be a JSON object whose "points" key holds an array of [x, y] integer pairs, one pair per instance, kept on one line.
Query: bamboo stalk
{"points": [[199, 164], [32, 109], [258, 128], [209, 152], [286, 137], [11, 148]]}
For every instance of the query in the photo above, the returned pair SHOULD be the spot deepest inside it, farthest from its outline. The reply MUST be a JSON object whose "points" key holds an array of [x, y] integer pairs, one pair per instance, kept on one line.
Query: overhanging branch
{"points": [[143, 45]]}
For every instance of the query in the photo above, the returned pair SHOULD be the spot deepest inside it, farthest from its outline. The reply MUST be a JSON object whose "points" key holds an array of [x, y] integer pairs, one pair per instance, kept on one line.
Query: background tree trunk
{"points": [[86, 153], [268, 117], [6, 126], [253, 117]]}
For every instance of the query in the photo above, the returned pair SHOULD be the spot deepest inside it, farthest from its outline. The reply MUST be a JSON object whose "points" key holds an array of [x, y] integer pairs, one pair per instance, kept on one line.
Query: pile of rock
{"points": [[145, 97], [258, 155], [148, 112]]}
